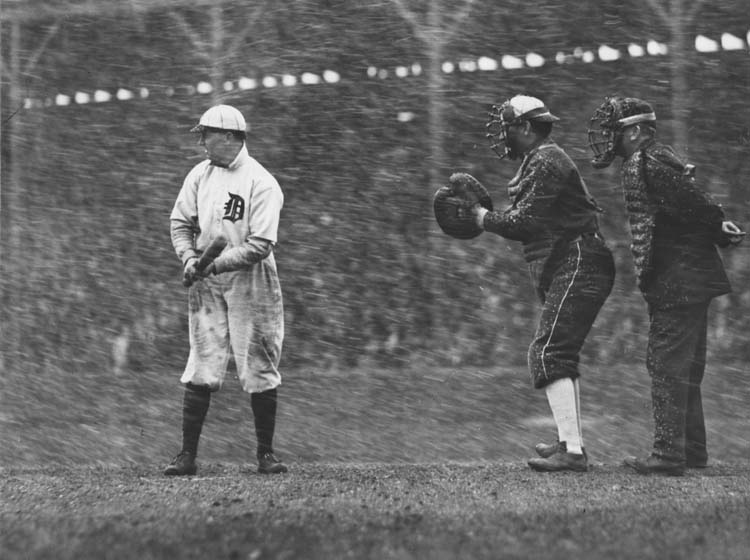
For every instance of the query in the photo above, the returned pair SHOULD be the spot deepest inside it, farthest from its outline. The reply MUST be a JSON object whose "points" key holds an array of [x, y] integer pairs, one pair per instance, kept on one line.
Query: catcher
{"points": [[555, 218]]}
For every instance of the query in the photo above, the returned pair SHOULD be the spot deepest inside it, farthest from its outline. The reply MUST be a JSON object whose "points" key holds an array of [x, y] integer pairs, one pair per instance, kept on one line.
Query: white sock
{"points": [[577, 387], [561, 395]]}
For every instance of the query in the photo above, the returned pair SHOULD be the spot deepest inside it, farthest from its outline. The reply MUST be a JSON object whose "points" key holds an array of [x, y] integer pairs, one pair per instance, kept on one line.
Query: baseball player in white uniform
{"points": [[235, 304]]}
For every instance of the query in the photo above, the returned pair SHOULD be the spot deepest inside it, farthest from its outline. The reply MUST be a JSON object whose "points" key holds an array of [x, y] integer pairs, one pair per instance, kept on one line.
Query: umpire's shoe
{"points": [[548, 449], [269, 464], [182, 465], [655, 465], [561, 460]]}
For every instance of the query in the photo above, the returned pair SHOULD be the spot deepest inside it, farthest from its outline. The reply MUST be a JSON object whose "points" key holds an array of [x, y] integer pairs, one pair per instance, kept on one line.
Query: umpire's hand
{"points": [[732, 232]]}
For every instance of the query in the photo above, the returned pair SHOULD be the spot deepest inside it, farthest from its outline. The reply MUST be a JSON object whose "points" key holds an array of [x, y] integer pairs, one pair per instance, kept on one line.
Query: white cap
{"points": [[224, 117], [531, 108]]}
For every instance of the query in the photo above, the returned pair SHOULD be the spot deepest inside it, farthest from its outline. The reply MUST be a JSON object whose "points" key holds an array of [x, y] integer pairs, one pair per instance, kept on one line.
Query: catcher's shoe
{"points": [[269, 464], [548, 449], [655, 465], [561, 460], [182, 465]]}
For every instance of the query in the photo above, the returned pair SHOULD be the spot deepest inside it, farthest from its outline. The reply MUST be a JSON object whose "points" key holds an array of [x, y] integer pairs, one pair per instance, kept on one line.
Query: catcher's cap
{"points": [[223, 117], [529, 108], [634, 110]]}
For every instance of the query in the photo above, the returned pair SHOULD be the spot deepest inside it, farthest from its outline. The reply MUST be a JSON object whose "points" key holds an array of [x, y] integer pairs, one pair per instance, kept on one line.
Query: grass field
{"points": [[321, 511], [384, 464]]}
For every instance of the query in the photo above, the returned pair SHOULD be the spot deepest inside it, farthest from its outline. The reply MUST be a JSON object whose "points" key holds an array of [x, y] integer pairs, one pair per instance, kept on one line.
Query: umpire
{"points": [[675, 229], [555, 218]]}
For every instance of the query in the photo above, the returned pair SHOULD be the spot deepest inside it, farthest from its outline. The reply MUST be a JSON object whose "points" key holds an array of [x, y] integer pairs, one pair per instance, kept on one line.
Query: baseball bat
{"points": [[213, 250]]}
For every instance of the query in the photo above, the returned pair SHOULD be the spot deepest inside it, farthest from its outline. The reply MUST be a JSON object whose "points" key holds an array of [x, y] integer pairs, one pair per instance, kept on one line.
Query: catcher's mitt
{"points": [[453, 202]]}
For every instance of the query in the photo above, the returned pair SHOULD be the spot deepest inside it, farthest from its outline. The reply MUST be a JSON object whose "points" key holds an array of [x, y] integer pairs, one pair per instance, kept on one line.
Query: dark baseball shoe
{"points": [[182, 465], [548, 449], [655, 465], [561, 460], [269, 464]]}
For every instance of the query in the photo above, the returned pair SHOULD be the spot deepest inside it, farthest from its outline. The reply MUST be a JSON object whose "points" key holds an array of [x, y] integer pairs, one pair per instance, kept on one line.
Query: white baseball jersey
{"points": [[239, 310]]}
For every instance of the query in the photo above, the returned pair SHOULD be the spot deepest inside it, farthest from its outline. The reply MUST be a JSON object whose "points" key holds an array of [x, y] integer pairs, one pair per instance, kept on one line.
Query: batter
{"points": [[235, 305]]}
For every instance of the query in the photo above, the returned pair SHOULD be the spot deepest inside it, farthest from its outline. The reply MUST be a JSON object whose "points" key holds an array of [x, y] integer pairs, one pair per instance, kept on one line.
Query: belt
{"points": [[587, 235]]}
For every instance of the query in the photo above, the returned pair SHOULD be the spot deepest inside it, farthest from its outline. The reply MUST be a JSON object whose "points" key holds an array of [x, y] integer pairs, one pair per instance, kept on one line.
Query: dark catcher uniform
{"points": [[675, 228], [572, 269]]}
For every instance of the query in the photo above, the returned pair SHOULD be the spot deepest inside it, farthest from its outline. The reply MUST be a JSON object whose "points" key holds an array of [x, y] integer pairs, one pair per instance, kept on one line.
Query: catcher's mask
{"points": [[513, 112], [608, 123]]}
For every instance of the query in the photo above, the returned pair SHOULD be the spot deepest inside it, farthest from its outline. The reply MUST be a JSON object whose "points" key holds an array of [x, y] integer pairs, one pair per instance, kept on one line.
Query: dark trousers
{"points": [[572, 292], [676, 361]]}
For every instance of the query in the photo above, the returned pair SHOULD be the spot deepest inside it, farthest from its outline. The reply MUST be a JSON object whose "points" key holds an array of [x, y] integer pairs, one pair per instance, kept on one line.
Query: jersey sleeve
{"points": [[265, 209], [184, 218], [531, 210], [252, 250]]}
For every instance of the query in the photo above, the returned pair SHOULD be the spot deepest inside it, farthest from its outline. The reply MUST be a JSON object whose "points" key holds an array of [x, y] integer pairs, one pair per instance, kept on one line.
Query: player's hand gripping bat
{"points": [[213, 250]]}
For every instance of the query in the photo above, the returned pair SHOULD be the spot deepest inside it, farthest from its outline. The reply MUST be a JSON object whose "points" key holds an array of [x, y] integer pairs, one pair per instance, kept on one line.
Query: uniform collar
{"points": [[241, 157], [514, 188], [545, 143], [642, 147]]}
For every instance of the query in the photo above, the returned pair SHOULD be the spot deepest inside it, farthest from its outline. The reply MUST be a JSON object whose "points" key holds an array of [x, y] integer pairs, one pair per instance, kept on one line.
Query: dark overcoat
{"points": [[675, 226]]}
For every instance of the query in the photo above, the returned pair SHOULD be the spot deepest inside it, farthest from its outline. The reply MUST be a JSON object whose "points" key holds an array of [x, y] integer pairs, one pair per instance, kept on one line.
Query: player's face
{"points": [[514, 137], [628, 141], [211, 141], [216, 145]]}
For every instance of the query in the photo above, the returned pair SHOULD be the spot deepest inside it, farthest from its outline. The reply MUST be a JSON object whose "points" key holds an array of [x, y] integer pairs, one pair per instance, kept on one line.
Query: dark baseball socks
{"points": [[264, 412], [194, 408]]}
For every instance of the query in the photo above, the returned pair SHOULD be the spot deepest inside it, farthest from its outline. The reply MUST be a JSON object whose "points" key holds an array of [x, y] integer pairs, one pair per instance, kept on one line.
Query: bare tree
{"points": [[677, 15], [443, 21], [212, 46], [37, 10], [15, 70]]}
